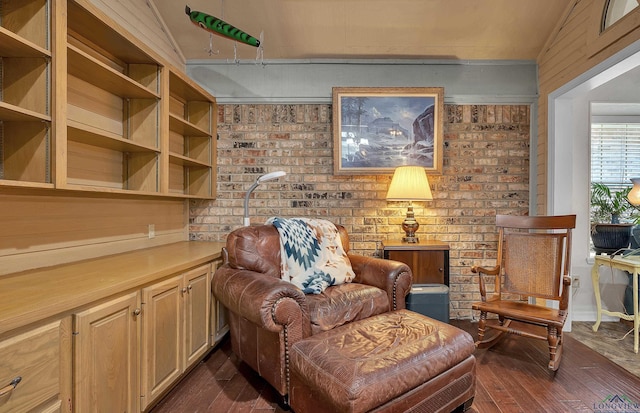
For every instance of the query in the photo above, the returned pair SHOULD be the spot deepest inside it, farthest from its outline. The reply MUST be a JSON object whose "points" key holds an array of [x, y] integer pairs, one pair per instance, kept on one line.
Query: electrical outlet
{"points": [[152, 231], [575, 282]]}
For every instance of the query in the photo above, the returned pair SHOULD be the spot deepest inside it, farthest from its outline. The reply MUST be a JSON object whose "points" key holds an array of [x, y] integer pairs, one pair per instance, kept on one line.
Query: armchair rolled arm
{"points": [[394, 277], [268, 302]]}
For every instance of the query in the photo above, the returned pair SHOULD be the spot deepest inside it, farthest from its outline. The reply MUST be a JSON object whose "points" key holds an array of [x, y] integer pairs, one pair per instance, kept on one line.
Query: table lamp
{"points": [[267, 177], [634, 195], [409, 183]]}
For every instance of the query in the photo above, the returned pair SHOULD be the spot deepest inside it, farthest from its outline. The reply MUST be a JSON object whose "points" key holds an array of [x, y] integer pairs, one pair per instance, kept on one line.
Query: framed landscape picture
{"points": [[376, 129]]}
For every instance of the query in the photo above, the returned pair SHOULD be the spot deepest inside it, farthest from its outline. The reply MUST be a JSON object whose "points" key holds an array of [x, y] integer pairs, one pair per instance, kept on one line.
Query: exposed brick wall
{"points": [[486, 171]]}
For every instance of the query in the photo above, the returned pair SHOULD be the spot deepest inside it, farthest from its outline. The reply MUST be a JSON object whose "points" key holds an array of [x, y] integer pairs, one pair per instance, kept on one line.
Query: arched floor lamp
{"points": [[267, 177]]}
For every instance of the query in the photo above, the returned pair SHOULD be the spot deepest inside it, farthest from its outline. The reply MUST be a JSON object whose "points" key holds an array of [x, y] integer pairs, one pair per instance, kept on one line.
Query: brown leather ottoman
{"points": [[392, 362]]}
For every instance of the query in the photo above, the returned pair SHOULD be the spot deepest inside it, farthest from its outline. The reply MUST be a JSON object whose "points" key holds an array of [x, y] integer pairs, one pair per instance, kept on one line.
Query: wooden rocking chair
{"points": [[533, 265]]}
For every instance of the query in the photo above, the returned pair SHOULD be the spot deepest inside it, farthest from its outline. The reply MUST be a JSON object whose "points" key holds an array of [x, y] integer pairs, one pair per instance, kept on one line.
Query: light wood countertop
{"points": [[34, 295]]}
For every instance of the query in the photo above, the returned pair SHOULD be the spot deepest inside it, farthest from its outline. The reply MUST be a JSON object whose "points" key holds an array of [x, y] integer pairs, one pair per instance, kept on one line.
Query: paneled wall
{"points": [[47, 229], [575, 47], [486, 171], [142, 20]]}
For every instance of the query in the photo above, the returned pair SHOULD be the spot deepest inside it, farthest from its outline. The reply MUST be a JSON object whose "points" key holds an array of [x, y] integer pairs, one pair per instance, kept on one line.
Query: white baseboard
{"points": [[590, 315]]}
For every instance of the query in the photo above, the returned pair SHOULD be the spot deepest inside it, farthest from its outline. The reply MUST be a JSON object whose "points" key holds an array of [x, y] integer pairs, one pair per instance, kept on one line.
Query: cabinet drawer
{"points": [[34, 357]]}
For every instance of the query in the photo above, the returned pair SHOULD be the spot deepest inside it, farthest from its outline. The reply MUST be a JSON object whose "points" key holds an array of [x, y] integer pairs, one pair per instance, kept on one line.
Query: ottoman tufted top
{"points": [[374, 360]]}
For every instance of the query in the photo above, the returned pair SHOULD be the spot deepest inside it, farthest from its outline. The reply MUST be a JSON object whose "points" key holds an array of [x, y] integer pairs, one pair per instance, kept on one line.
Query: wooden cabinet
{"points": [[129, 325], [86, 106], [33, 375], [25, 93], [192, 147], [112, 109], [105, 364], [428, 260], [219, 313], [175, 330], [170, 318]]}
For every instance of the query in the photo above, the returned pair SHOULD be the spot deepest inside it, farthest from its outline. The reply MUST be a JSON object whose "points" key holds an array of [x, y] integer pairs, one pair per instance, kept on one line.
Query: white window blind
{"points": [[615, 153]]}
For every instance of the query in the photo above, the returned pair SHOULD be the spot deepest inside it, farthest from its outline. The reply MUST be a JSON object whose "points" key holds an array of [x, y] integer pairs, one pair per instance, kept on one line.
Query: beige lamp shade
{"points": [[409, 183], [634, 195]]}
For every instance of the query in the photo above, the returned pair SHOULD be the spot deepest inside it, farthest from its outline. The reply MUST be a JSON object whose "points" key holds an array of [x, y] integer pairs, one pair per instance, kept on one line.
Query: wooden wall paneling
{"points": [[139, 17], [41, 230], [627, 26], [555, 68], [575, 47], [86, 21]]}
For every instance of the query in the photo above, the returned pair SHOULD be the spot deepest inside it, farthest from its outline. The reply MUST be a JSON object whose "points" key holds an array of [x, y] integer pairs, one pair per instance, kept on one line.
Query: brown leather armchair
{"points": [[267, 315]]}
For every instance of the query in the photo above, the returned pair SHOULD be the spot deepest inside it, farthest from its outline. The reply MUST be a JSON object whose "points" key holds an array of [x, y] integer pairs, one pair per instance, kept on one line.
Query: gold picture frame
{"points": [[377, 129]]}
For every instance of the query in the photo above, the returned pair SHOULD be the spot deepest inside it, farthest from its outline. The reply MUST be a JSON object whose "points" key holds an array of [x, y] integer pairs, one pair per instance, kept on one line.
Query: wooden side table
{"points": [[631, 265], [428, 259]]}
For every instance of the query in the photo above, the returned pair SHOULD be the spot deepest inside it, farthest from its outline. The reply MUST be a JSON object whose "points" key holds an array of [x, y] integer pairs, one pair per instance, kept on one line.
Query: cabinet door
{"points": [[106, 356], [428, 267], [162, 337], [198, 290]]}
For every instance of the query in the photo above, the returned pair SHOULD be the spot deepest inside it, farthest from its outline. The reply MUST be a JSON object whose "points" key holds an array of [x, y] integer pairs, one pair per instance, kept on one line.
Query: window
{"points": [[615, 153], [617, 9]]}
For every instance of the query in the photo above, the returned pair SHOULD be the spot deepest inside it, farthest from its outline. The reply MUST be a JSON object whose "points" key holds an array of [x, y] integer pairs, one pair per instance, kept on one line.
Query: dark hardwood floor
{"points": [[511, 377]]}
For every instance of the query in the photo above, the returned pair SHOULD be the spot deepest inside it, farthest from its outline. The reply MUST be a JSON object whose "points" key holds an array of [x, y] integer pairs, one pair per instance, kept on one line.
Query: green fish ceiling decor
{"points": [[218, 26]]}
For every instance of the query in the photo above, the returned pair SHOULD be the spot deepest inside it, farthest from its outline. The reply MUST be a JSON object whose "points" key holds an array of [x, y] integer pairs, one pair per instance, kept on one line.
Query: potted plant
{"points": [[608, 208]]}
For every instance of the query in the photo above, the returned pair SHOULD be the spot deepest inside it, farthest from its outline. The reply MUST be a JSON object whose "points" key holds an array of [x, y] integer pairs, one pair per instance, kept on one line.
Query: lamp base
{"points": [[410, 226]]}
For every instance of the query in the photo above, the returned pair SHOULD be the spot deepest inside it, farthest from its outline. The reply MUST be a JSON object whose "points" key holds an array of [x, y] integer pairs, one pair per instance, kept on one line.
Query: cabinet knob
{"points": [[136, 311], [184, 290], [9, 387], [189, 287], [441, 269]]}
